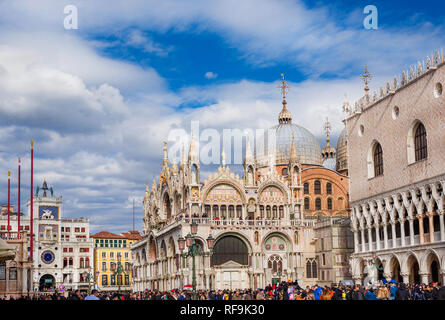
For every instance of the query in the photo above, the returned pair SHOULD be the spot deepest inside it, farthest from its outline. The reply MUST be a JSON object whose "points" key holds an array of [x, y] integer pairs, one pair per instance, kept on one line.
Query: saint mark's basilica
{"points": [[271, 224]]}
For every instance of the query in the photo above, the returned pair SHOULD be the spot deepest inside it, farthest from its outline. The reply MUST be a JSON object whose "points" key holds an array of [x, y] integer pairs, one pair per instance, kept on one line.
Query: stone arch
{"points": [[163, 249], [234, 185], [412, 267], [166, 205], [431, 264], [231, 246], [274, 184], [152, 250], [394, 268], [282, 235]]}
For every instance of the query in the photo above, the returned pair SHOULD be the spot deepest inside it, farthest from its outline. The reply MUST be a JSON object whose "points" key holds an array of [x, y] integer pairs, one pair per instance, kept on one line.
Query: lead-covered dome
{"points": [[306, 145]]}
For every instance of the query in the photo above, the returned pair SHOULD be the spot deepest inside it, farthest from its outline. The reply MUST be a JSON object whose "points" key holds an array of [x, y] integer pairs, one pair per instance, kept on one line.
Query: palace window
{"points": [[311, 268], [127, 280], [13, 274], [378, 160], [329, 204], [306, 188], [317, 187], [104, 266], [113, 279], [104, 280], [420, 143], [306, 203], [284, 172], [318, 204], [329, 188]]}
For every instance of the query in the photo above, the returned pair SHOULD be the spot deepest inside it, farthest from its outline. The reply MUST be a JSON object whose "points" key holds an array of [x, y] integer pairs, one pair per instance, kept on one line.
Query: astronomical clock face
{"points": [[48, 256]]}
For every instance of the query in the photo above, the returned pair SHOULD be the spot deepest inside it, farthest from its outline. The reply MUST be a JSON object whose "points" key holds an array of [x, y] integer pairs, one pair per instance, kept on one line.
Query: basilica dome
{"points": [[306, 145], [342, 159]]}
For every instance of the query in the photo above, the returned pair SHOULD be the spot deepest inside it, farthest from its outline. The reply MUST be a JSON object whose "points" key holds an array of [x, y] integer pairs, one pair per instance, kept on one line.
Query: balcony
{"points": [[236, 222]]}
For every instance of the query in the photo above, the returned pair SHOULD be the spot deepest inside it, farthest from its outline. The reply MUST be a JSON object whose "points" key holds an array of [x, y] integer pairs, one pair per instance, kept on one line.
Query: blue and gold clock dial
{"points": [[48, 256]]}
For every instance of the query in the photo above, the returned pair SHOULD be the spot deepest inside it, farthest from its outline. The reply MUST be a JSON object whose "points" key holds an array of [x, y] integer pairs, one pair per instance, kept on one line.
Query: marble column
{"points": [[442, 227], [424, 277], [356, 241], [421, 234], [385, 235], [431, 225], [369, 238], [377, 236], [362, 231], [402, 231], [393, 231], [411, 230]]}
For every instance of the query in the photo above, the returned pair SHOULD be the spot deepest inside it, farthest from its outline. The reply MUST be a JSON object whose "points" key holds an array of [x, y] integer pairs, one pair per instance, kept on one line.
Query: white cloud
{"points": [[210, 75], [99, 122]]}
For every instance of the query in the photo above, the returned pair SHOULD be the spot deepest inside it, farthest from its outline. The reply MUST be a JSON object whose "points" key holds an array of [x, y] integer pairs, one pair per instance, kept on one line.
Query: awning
{"points": [[7, 251]]}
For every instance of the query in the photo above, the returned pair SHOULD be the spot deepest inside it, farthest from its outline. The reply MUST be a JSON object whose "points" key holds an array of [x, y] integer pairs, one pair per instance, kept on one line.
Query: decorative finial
{"points": [[32, 144], [9, 174], [366, 76], [284, 87], [20, 160], [284, 116], [223, 158]]}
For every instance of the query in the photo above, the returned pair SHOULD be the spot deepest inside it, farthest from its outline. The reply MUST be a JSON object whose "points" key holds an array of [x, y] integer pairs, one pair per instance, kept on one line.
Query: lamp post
{"points": [[119, 271], [89, 275], [194, 249]]}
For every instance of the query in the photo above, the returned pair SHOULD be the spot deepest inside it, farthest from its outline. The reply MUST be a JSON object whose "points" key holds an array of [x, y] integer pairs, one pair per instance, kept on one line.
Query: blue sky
{"points": [[100, 100]]}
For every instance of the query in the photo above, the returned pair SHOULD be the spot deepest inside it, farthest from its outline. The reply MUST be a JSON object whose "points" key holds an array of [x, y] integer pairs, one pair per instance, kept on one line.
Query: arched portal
{"points": [[413, 267], [47, 283], [167, 206], [395, 270], [433, 267], [230, 248]]}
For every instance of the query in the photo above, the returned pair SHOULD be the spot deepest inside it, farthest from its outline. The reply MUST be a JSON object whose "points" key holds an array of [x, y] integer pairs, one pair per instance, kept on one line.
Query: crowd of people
{"points": [[282, 291]]}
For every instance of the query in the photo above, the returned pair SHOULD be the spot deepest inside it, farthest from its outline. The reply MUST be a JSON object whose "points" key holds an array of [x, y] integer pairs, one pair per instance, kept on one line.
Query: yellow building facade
{"points": [[112, 260]]}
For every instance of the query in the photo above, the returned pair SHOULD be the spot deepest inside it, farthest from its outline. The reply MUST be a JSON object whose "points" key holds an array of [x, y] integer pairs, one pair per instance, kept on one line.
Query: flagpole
{"points": [[9, 198], [18, 206], [32, 207]]}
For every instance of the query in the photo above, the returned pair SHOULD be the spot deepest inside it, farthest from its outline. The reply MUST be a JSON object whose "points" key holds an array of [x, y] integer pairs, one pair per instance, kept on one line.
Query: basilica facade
{"points": [[263, 222]]}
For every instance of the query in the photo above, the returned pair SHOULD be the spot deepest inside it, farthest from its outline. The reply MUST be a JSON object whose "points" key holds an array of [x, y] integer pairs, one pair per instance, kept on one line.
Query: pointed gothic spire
{"points": [[147, 193], [174, 167], [153, 185], [328, 151], [293, 157], [165, 161]]}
